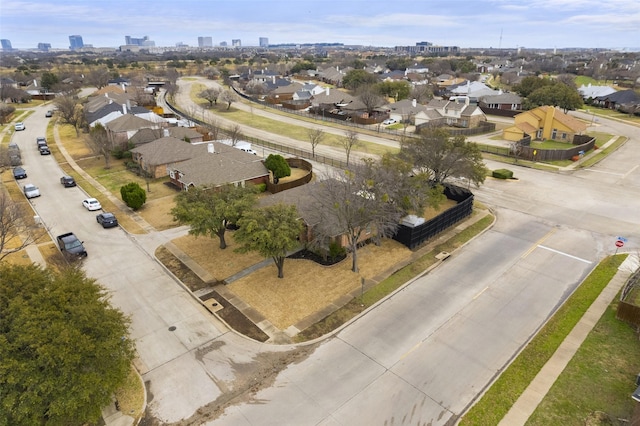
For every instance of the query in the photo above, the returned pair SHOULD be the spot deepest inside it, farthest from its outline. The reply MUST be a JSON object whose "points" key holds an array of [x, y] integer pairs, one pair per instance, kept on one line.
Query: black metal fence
{"points": [[412, 237]]}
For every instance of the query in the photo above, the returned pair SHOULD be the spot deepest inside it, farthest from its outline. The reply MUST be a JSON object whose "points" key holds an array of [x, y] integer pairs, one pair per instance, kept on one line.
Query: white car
{"points": [[31, 191], [389, 121], [91, 204], [19, 126]]}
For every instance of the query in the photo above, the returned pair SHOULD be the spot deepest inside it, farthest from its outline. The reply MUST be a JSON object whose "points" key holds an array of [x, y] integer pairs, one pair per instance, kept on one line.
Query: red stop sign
{"points": [[619, 243]]}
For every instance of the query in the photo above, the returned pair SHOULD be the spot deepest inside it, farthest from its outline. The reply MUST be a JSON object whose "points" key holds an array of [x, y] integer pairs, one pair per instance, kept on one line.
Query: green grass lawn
{"points": [[504, 392], [600, 377]]}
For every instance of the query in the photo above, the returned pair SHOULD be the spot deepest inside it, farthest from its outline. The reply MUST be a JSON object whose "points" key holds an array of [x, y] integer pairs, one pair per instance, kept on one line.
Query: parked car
{"points": [[41, 140], [91, 204], [107, 220], [19, 126], [67, 181], [19, 173], [31, 191], [389, 121], [70, 246], [44, 150], [49, 114]]}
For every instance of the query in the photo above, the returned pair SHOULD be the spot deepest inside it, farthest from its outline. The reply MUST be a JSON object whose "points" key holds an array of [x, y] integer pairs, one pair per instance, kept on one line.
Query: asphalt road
{"points": [[421, 356]]}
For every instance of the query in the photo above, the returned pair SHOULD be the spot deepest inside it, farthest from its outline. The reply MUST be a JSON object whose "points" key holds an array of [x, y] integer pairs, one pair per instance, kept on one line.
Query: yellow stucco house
{"points": [[542, 123]]}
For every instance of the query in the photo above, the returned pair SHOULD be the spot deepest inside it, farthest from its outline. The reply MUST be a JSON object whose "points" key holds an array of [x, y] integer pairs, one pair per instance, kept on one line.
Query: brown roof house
{"points": [[457, 113], [206, 164], [217, 164], [183, 133], [545, 122], [121, 129]]}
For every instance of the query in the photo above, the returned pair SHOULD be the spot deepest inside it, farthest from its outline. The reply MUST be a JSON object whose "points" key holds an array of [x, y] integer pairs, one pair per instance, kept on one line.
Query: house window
{"points": [[554, 133], [564, 136], [172, 174]]}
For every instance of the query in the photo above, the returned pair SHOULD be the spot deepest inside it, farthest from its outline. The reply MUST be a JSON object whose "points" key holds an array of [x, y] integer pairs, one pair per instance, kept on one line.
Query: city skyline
{"points": [[463, 23]]}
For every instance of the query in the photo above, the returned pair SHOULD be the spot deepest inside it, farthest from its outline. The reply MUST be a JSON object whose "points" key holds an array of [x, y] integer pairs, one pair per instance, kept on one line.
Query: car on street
{"points": [[389, 121], [44, 150], [49, 114], [67, 181], [19, 126], [19, 173], [107, 220], [31, 191], [91, 204], [41, 140]]}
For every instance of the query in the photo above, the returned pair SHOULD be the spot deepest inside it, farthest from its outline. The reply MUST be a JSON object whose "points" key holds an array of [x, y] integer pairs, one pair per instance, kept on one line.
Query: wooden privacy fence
{"points": [[629, 312], [297, 163]]}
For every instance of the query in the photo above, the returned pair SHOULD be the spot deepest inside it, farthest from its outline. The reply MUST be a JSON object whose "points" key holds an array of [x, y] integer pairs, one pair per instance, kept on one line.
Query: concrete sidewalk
{"points": [[538, 388]]}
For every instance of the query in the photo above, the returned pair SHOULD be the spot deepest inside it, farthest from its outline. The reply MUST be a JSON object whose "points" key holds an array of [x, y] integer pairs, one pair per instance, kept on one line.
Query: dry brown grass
{"points": [[76, 146], [308, 287], [157, 212], [221, 264], [296, 173]]}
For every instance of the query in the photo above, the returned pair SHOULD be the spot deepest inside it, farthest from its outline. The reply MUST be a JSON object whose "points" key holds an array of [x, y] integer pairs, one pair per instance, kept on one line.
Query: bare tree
{"points": [[70, 111], [349, 141], [422, 93], [358, 204], [315, 137], [98, 77], [17, 226], [235, 134], [229, 97], [101, 143], [213, 128], [369, 97], [211, 95]]}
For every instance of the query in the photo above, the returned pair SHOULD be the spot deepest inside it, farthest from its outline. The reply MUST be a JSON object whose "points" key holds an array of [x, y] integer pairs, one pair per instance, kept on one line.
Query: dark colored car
{"points": [[68, 181], [107, 220], [19, 173], [44, 150]]}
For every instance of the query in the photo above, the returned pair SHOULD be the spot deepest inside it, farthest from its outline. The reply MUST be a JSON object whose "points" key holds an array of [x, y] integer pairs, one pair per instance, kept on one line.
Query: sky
{"points": [[463, 23]]}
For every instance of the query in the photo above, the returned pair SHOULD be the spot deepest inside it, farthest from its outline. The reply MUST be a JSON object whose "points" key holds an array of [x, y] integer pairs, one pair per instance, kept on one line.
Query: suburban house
{"points": [[545, 122], [591, 91], [614, 100], [405, 110], [303, 197], [456, 113], [206, 164], [121, 129], [217, 164], [474, 90], [502, 101], [183, 133]]}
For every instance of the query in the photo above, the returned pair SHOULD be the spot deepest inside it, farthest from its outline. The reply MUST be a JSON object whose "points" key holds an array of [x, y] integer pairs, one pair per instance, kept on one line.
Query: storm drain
{"points": [[212, 305]]}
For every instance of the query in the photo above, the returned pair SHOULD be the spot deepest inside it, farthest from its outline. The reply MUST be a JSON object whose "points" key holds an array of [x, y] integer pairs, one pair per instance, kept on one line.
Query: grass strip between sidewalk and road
{"points": [[505, 391]]}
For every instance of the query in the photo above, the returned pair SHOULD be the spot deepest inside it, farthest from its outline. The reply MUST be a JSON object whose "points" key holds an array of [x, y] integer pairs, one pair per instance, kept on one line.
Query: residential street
{"points": [[420, 357]]}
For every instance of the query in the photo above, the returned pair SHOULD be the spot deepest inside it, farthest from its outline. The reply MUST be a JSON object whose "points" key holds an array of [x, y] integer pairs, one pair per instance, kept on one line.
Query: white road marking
{"points": [[565, 254]]}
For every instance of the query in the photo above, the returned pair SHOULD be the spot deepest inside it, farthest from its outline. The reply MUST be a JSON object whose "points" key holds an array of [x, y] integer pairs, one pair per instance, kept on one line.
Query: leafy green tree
{"points": [[278, 166], [394, 89], [64, 349], [133, 195], [442, 156], [208, 212], [271, 231], [399, 63], [302, 66], [356, 78], [529, 84], [49, 80], [557, 94]]}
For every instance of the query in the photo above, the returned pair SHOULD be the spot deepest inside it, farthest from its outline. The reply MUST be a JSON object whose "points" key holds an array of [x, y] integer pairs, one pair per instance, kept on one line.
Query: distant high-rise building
{"points": [[205, 42], [264, 42], [135, 41], [44, 46], [75, 42], [236, 42], [223, 44], [6, 44]]}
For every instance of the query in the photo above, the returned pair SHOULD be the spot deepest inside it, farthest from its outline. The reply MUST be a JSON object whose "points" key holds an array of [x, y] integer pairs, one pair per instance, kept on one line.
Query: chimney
{"points": [[165, 133], [124, 108], [210, 148], [123, 88], [326, 91], [274, 79], [35, 82], [414, 103]]}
